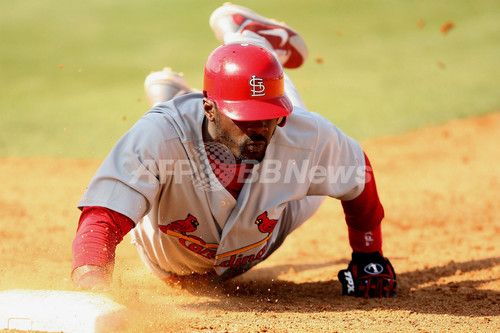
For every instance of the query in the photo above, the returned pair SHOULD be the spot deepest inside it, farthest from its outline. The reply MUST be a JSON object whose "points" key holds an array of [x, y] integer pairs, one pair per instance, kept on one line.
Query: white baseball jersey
{"points": [[187, 222]]}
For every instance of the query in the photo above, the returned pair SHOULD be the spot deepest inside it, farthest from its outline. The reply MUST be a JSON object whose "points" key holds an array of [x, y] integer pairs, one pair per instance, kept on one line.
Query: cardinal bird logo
{"points": [[237, 258], [265, 224], [189, 224]]}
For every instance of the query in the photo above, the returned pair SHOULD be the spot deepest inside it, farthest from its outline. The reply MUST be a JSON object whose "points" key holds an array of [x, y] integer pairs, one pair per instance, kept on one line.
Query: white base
{"points": [[59, 311]]}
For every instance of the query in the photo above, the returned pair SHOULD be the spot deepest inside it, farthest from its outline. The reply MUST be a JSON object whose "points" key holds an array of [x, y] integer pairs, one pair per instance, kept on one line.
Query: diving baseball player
{"points": [[211, 183]]}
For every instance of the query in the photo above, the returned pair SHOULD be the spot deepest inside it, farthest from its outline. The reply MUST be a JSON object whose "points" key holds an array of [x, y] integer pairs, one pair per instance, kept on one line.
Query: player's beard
{"points": [[250, 149]]}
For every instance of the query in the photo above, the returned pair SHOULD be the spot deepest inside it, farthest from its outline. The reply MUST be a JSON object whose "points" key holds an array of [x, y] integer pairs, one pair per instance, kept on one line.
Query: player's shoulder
{"points": [[178, 118], [303, 128]]}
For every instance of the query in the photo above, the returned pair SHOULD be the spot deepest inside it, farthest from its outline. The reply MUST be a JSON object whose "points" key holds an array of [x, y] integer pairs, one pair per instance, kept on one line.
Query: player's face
{"points": [[247, 140]]}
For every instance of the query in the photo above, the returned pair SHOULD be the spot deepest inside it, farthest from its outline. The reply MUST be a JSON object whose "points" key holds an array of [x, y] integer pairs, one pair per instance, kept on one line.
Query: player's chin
{"points": [[253, 157]]}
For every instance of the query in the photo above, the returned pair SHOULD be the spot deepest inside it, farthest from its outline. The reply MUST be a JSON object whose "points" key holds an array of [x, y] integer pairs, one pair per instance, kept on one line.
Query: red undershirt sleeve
{"points": [[363, 216], [99, 231]]}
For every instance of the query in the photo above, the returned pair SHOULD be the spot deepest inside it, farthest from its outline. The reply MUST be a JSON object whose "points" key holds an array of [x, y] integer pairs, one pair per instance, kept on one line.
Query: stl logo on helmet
{"points": [[258, 87]]}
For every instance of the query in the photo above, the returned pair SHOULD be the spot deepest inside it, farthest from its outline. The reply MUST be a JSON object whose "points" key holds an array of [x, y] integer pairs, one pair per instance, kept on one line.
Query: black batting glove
{"points": [[368, 275]]}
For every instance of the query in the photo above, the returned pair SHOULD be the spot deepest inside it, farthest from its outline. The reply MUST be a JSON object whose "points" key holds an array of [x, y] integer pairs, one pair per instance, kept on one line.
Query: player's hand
{"points": [[93, 278], [368, 275]]}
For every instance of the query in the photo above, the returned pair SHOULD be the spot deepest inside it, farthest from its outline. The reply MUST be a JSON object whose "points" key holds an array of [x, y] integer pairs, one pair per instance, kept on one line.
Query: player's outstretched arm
{"points": [[369, 273], [100, 230]]}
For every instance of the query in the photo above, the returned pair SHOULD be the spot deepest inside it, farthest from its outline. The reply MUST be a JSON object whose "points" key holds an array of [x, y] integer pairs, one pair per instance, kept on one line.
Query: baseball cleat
{"points": [[287, 43], [164, 85]]}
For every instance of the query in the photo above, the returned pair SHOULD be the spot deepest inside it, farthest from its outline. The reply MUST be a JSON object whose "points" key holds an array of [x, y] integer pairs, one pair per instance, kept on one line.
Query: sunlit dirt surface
{"points": [[440, 188]]}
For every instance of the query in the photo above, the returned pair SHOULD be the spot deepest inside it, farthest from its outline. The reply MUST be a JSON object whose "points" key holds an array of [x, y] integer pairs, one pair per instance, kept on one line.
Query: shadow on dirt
{"points": [[419, 291]]}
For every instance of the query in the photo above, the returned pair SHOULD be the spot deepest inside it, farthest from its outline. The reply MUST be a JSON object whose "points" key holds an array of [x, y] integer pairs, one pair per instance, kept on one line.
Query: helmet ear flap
{"points": [[282, 121]]}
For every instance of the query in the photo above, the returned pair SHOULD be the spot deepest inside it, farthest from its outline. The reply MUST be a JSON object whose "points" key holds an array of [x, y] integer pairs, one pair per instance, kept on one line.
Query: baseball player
{"points": [[211, 183]]}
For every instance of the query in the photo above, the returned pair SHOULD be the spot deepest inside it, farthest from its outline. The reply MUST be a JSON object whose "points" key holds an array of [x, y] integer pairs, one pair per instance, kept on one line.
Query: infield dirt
{"points": [[440, 188]]}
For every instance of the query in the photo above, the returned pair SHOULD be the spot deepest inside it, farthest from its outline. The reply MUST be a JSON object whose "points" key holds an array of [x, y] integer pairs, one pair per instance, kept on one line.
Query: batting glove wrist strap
{"points": [[368, 275]]}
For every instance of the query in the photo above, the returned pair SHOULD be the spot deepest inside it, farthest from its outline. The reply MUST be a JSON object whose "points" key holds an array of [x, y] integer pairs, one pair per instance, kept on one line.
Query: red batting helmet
{"points": [[246, 82]]}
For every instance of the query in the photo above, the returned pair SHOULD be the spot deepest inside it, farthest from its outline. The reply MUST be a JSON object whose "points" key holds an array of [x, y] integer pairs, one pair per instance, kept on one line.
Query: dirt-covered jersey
{"points": [[158, 175]]}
